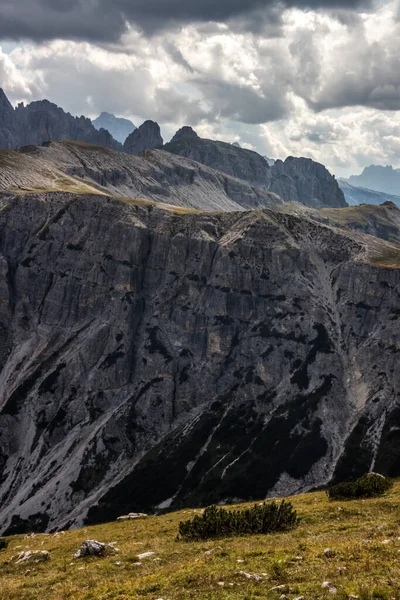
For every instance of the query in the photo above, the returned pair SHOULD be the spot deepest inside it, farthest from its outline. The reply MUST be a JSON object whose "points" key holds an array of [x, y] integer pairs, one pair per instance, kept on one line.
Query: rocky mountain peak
{"points": [[146, 137], [185, 133], [306, 181]]}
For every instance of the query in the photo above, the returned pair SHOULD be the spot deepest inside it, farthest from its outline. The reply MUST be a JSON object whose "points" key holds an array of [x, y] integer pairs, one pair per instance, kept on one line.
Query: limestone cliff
{"points": [[153, 359]]}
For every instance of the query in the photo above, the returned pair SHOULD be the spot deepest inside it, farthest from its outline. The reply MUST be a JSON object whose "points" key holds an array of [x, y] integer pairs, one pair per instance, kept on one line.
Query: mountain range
{"points": [[378, 178], [186, 326], [359, 195]]}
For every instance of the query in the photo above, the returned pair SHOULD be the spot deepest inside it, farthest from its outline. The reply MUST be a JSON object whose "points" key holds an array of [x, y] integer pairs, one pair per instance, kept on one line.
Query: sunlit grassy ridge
{"points": [[363, 536]]}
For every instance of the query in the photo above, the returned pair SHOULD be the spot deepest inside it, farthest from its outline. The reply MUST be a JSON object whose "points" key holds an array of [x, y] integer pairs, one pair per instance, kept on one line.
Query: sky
{"points": [[315, 78]]}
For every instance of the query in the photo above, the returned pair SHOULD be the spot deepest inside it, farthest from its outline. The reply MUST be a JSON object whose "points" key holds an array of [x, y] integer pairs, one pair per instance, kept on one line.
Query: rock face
{"points": [[146, 137], [185, 133], [154, 359], [237, 162], [118, 127], [305, 181], [296, 179], [41, 121]]}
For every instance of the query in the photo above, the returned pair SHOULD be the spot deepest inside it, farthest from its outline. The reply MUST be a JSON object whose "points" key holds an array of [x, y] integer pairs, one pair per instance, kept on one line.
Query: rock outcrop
{"points": [[184, 133], [146, 137], [42, 121], [306, 181], [118, 127], [237, 162], [151, 359]]}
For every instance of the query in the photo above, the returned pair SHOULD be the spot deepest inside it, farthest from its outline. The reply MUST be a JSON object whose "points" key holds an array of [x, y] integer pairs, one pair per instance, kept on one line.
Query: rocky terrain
{"points": [[118, 127], [158, 176], [42, 121], [153, 359]]}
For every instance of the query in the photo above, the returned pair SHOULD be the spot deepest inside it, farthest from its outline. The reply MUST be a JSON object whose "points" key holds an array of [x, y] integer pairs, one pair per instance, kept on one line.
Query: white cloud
{"points": [[321, 88]]}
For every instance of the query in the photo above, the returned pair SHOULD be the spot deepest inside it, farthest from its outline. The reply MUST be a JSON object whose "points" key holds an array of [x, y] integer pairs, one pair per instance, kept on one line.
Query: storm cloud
{"points": [[107, 20], [318, 79]]}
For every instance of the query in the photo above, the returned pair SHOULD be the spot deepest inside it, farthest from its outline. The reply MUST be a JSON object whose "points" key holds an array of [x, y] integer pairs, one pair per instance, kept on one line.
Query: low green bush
{"points": [[3, 543], [367, 486], [217, 522]]}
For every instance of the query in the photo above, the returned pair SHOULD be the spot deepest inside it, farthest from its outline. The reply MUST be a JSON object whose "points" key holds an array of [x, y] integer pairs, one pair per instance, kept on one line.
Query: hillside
{"points": [[363, 537], [378, 221], [158, 176]]}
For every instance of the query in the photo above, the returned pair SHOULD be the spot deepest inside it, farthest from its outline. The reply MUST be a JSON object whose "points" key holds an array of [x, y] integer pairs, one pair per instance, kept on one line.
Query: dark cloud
{"points": [[106, 20], [243, 104]]}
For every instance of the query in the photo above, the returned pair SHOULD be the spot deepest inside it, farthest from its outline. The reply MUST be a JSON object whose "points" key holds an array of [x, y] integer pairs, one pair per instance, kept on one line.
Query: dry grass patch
{"points": [[363, 537]]}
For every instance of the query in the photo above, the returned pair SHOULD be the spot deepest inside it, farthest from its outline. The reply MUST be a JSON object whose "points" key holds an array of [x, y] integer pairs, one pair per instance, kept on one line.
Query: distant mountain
{"points": [[295, 179], [118, 127], [382, 179], [358, 195], [44, 121]]}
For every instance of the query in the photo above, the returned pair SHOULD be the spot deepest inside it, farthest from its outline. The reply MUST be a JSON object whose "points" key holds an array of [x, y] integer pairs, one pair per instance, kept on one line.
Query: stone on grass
{"points": [[145, 555], [36, 556], [95, 548], [250, 576], [132, 516], [328, 553], [326, 585], [280, 588], [213, 551]]}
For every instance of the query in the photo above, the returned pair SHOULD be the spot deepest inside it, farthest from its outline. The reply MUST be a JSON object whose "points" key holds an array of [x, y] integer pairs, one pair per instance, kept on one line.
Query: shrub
{"points": [[367, 486], [218, 522], [3, 543]]}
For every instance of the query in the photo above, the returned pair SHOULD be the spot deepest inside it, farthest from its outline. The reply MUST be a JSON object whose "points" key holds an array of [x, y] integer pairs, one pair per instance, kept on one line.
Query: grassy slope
{"points": [[369, 570]]}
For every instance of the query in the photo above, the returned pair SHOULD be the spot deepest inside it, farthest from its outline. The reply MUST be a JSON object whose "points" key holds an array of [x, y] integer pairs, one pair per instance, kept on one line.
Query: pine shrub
{"points": [[217, 522], [367, 486], [3, 543]]}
